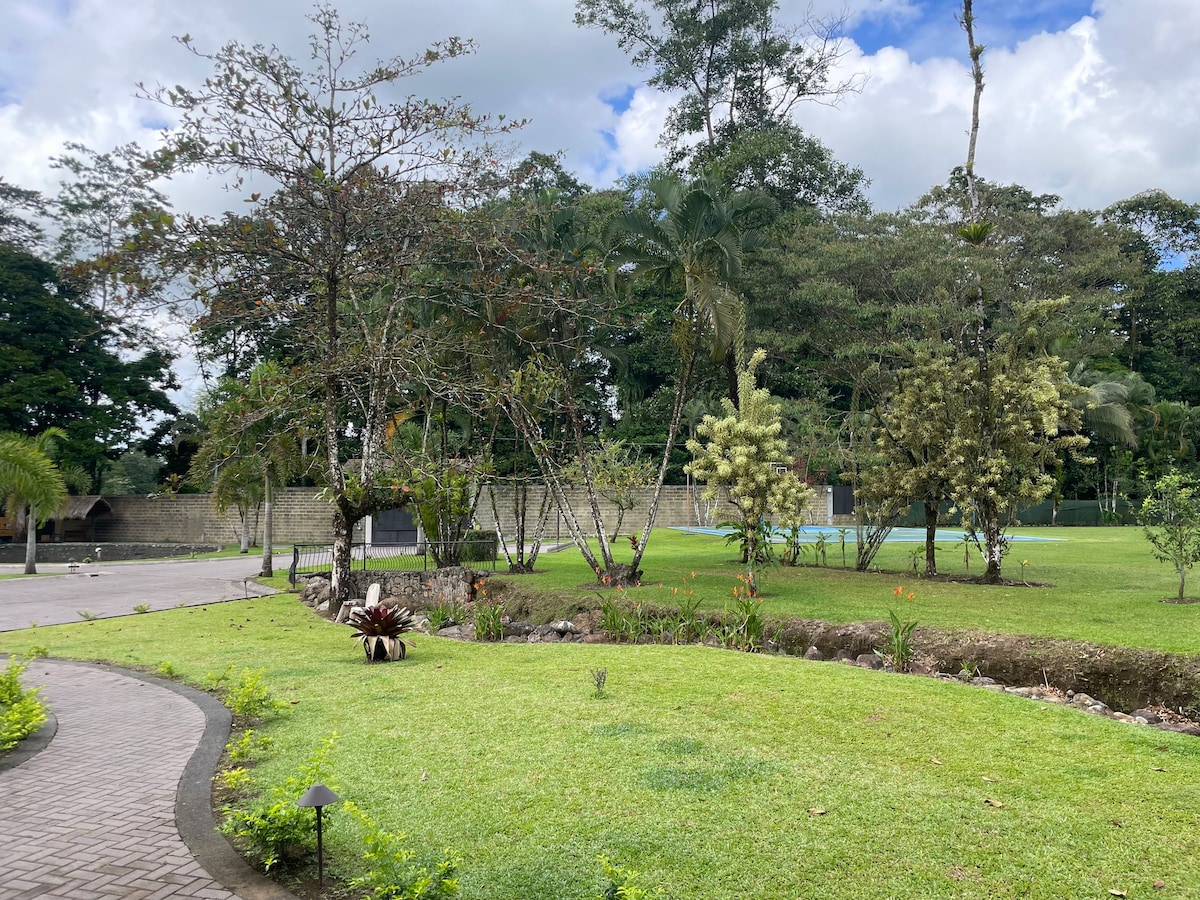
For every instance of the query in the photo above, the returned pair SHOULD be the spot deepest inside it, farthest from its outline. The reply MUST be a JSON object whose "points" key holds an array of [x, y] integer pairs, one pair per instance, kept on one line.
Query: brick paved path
{"points": [[93, 815]]}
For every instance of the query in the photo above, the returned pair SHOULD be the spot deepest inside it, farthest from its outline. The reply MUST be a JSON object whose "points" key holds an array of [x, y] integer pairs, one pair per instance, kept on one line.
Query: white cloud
{"points": [[1095, 111]]}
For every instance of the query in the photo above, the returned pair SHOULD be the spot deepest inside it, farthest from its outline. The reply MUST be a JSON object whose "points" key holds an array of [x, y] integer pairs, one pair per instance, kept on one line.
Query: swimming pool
{"points": [[809, 534]]}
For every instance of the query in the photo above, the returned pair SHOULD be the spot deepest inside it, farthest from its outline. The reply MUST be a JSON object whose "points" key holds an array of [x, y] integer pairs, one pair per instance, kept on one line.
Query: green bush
{"points": [[244, 691], [391, 872], [21, 711], [274, 829], [489, 620], [479, 546]]}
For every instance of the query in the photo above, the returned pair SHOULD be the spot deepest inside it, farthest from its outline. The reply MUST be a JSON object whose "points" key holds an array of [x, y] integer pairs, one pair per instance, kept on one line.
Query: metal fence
{"points": [[308, 559]]}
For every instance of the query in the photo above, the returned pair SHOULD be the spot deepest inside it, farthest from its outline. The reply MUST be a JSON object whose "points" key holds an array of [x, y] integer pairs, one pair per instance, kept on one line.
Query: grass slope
{"points": [[700, 766]]}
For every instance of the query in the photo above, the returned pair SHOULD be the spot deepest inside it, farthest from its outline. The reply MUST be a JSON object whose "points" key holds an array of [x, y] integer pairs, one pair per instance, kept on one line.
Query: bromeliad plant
{"points": [[379, 628]]}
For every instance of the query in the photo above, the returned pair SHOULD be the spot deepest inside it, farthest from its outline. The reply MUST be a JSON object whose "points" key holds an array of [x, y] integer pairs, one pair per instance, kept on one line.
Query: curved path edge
{"points": [[193, 799]]}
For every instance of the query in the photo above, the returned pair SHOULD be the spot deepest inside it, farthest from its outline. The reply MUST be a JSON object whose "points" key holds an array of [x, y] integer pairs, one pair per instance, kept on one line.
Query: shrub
{"points": [[479, 546], [745, 628], [444, 615], [244, 691], [489, 620], [391, 872], [274, 829], [21, 711], [247, 746], [622, 883], [897, 650]]}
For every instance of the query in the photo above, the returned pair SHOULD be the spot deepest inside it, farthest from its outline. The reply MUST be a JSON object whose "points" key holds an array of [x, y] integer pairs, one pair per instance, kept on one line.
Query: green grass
{"points": [[1105, 587], [699, 767], [231, 550]]}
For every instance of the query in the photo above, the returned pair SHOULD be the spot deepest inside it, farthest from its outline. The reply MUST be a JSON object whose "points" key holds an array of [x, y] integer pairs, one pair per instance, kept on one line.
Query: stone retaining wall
{"points": [[454, 584], [64, 552]]}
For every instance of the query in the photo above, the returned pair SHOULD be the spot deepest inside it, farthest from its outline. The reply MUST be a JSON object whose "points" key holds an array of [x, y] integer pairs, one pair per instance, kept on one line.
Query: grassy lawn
{"points": [[1105, 587], [718, 774], [699, 767]]}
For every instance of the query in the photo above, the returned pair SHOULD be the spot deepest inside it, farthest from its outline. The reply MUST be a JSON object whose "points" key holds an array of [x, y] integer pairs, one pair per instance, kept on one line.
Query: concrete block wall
{"points": [[302, 518]]}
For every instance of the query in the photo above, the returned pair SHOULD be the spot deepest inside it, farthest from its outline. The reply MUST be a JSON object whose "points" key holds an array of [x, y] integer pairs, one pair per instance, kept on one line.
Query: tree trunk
{"points": [[339, 578], [681, 392], [1182, 579], [268, 564], [993, 544], [245, 537], [31, 541], [931, 523]]}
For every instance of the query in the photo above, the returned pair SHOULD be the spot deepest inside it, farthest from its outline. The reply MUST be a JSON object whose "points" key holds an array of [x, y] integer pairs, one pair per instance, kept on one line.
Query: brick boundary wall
{"points": [[302, 518]]}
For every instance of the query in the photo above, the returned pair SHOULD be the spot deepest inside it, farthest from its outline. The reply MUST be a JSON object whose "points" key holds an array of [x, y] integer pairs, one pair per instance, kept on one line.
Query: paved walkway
{"points": [[114, 589], [103, 810]]}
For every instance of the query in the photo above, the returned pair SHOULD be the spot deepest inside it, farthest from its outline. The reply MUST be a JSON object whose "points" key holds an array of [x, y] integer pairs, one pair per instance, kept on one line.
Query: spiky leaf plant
{"points": [[380, 629]]}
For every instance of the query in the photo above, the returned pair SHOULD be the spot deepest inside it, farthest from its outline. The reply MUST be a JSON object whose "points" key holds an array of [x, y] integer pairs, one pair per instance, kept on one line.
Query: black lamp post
{"points": [[318, 796]]}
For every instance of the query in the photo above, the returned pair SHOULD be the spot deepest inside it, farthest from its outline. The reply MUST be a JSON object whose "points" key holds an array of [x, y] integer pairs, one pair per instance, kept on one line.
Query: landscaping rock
{"points": [[316, 592], [983, 681], [868, 661], [1151, 717], [348, 607], [814, 654]]}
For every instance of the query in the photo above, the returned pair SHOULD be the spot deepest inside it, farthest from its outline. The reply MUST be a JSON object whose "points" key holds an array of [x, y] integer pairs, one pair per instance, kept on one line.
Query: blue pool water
{"points": [[810, 533]]}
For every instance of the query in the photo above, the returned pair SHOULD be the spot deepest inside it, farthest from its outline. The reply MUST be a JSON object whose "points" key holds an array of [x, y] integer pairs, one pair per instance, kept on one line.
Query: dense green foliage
{"points": [[65, 364]]}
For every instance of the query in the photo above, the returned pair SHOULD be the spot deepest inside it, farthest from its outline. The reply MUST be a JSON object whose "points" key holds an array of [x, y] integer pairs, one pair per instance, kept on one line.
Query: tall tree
{"points": [[361, 179], [251, 448], [692, 245], [17, 205], [99, 212], [732, 62], [64, 365]]}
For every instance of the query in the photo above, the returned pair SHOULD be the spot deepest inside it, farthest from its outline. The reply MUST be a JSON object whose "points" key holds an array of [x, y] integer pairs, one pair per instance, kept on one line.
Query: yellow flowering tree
{"points": [[744, 454]]}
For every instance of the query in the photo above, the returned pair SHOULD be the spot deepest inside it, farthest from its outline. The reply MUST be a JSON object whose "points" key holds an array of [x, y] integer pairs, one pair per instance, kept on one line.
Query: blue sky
{"points": [[929, 28]]}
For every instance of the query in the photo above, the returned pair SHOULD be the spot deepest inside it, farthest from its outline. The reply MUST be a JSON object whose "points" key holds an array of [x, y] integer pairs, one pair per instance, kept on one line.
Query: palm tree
{"points": [[694, 241], [30, 481], [251, 449]]}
